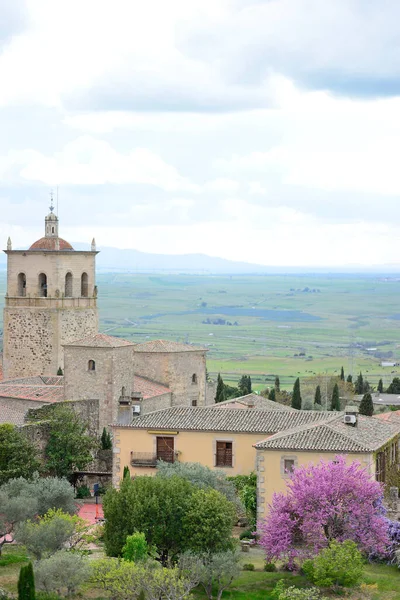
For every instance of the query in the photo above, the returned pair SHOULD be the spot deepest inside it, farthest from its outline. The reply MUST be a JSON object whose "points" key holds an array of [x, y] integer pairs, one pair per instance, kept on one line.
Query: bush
{"points": [[270, 567], [340, 564], [247, 535], [83, 492], [248, 567], [63, 572], [135, 548], [47, 596], [4, 595], [293, 593]]}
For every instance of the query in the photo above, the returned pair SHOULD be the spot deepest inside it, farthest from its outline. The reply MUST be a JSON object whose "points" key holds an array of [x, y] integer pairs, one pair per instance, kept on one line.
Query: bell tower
{"points": [[51, 300]]}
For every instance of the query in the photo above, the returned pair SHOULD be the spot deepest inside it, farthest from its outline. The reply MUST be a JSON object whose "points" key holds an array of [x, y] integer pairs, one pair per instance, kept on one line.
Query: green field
{"points": [[277, 319]]}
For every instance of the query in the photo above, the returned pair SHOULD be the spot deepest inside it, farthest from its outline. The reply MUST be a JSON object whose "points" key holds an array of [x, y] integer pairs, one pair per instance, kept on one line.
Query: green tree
{"points": [[277, 385], [359, 385], [380, 386], [335, 401], [215, 572], [208, 522], [63, 572], [339, 565], [394, 387], [272, 395], [60, 371], [296, 396], [342, 374], [317, 397], [105, 440], [136, 547], [244, 385], [366, 405], [220, 394], [126, 472], [155, 506], [18, 457], [119, 579], [26, 583], [349, 379], [69, 447]]}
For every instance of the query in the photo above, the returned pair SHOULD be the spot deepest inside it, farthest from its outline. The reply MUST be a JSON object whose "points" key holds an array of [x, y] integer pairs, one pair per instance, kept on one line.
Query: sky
{"points": [[265, 131]]}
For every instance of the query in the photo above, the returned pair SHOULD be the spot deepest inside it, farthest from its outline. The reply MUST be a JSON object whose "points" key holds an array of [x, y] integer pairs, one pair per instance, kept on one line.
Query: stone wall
{"points": [[113, 372], [21, 404], [175, 370], [87, 410], [211, 391], [148, 405]]}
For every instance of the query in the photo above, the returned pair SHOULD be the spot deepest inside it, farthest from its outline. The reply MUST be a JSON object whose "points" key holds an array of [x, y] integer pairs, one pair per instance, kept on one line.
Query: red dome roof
{"points": [[49, 243]]}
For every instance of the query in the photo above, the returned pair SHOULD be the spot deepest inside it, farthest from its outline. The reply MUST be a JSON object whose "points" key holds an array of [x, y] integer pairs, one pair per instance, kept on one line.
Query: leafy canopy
{"points": [[339, 565], [18, 457]]}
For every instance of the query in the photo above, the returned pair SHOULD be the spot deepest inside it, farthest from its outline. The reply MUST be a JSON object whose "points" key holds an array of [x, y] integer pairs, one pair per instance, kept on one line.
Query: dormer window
{"points": [[91, 365]]}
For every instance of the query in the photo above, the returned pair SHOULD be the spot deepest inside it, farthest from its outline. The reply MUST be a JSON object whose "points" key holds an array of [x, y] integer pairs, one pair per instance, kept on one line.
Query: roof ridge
{"points": [[298, 428]]}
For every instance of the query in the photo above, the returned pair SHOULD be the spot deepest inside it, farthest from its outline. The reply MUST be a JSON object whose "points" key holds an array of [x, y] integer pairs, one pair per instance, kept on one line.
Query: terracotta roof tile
{"points": [[391, 416], [50, 243], [167, 346], [149, 388], [14, 415], [230, 419], [38, 393], [101, 340], [259, 403]]}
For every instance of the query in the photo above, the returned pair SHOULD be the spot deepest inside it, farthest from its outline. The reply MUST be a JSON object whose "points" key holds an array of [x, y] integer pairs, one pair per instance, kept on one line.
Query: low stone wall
{"points": [[87, 410]]}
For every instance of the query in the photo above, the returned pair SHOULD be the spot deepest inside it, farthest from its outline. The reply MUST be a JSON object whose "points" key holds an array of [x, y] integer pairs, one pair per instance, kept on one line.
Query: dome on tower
{"points": [[51, 243]]}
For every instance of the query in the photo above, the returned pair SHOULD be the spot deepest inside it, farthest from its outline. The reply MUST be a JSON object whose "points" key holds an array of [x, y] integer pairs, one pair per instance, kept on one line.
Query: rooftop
{"points": [[333, 435], [101, 340], [148, 388], [259, 403], [51, 243], [40, 392], [392, 416], [167, 346], [231, 419], [14, 415]]}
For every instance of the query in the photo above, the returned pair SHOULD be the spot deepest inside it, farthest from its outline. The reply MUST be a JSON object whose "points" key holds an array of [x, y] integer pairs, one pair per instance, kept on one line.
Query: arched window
{"points": [[84, 285], [21, 284], [68, 285], [123, 392], [91, 365], [43, 285], [194, 378], [52, 230]]}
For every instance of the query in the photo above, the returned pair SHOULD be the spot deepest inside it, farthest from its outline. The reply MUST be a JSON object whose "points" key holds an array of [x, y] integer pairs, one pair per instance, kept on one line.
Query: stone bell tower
{"points": [[50, 301]]}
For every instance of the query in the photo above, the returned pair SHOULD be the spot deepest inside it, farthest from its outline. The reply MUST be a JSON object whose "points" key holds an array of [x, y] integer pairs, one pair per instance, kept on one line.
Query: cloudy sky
{"points": [[259, 130]]}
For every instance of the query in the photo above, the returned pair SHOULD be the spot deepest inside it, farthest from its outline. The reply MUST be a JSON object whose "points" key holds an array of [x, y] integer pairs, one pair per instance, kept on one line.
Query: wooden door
{"points": [[165, 449]]}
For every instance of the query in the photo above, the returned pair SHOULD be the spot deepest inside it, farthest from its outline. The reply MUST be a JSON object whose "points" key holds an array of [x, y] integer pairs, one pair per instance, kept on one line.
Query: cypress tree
{"points": [[366, 405], [296, 396], [380, 386], [342, 374], [349, 379], [277, 385], [106, 443], [26, 583], [272, 395], [249, 387], [335, 402], [126, 473], [317, 398], [359, 385], [60, 371], [220, 395]]}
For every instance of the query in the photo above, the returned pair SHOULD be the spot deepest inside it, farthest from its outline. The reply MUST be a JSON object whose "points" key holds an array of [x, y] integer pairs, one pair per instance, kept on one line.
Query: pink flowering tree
{"points": [[324, 502]]}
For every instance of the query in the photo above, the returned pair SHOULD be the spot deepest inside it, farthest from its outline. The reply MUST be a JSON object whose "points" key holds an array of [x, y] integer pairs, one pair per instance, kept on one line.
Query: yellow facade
{"points": [[188, 446], [272, 477]]}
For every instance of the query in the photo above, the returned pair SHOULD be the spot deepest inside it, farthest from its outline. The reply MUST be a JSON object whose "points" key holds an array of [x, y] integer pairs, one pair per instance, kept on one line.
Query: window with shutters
{"points": [[288, 465], [165, 449], [224, 455]]}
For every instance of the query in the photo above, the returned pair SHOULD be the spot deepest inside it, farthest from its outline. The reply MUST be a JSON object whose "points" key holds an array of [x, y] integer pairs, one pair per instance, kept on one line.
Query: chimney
{"points": [[351, 416], [250, 403]]}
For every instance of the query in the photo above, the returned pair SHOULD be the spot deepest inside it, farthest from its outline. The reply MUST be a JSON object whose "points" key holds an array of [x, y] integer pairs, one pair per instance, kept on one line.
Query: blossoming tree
{"points": [[327, 501]]}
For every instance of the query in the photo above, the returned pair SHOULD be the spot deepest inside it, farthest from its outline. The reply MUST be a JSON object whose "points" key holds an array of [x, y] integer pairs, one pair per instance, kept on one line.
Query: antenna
{"points": [[51, 201], [57, 203]]}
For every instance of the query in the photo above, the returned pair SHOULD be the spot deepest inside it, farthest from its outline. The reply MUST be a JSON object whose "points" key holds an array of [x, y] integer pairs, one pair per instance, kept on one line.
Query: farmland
{"points": [[262, 325]]}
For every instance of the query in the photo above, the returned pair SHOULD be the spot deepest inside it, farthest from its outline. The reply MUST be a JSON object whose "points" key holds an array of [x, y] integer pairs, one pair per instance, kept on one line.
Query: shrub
{"points": [[47, 596], [270, 567], [4, 595], [293, 593], [83, 492], [340, 564], [247, 535], [63, 572], [248, 567], [135, 548]]}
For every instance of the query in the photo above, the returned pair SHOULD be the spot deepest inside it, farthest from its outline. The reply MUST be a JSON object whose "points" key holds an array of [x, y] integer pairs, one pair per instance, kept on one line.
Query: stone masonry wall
{"points": [[33, 338], [175, 370], [157, 403], [87, 410]]}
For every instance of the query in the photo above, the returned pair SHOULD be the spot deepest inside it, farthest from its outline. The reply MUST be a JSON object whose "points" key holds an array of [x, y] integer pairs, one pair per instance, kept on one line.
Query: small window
{"points": [[91, 365], [68, 285], [194, 402], [43, 285], [21, 284], [84, 285], [52, 230], [123, 392], [288, 466], [224, 455], [194, 378]]}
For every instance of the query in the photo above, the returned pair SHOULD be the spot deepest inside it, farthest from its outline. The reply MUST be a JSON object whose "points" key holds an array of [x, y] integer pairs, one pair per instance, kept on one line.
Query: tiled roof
{"points": [[333, 435], [50, 243], [14, 415], [101, 340], [230, 419], [259, 403], [391, 416], [167, 346], [36, 380], [148, 388], [39, 393]]}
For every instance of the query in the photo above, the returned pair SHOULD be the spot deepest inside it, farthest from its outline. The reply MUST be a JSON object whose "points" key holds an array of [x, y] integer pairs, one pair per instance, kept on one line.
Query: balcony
{"points": [[143, 459], [50, 302]]}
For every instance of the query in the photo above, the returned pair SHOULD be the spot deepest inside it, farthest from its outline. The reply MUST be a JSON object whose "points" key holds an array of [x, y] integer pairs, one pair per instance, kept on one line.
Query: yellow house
{"points": [[221, 438], [371, 441]]}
